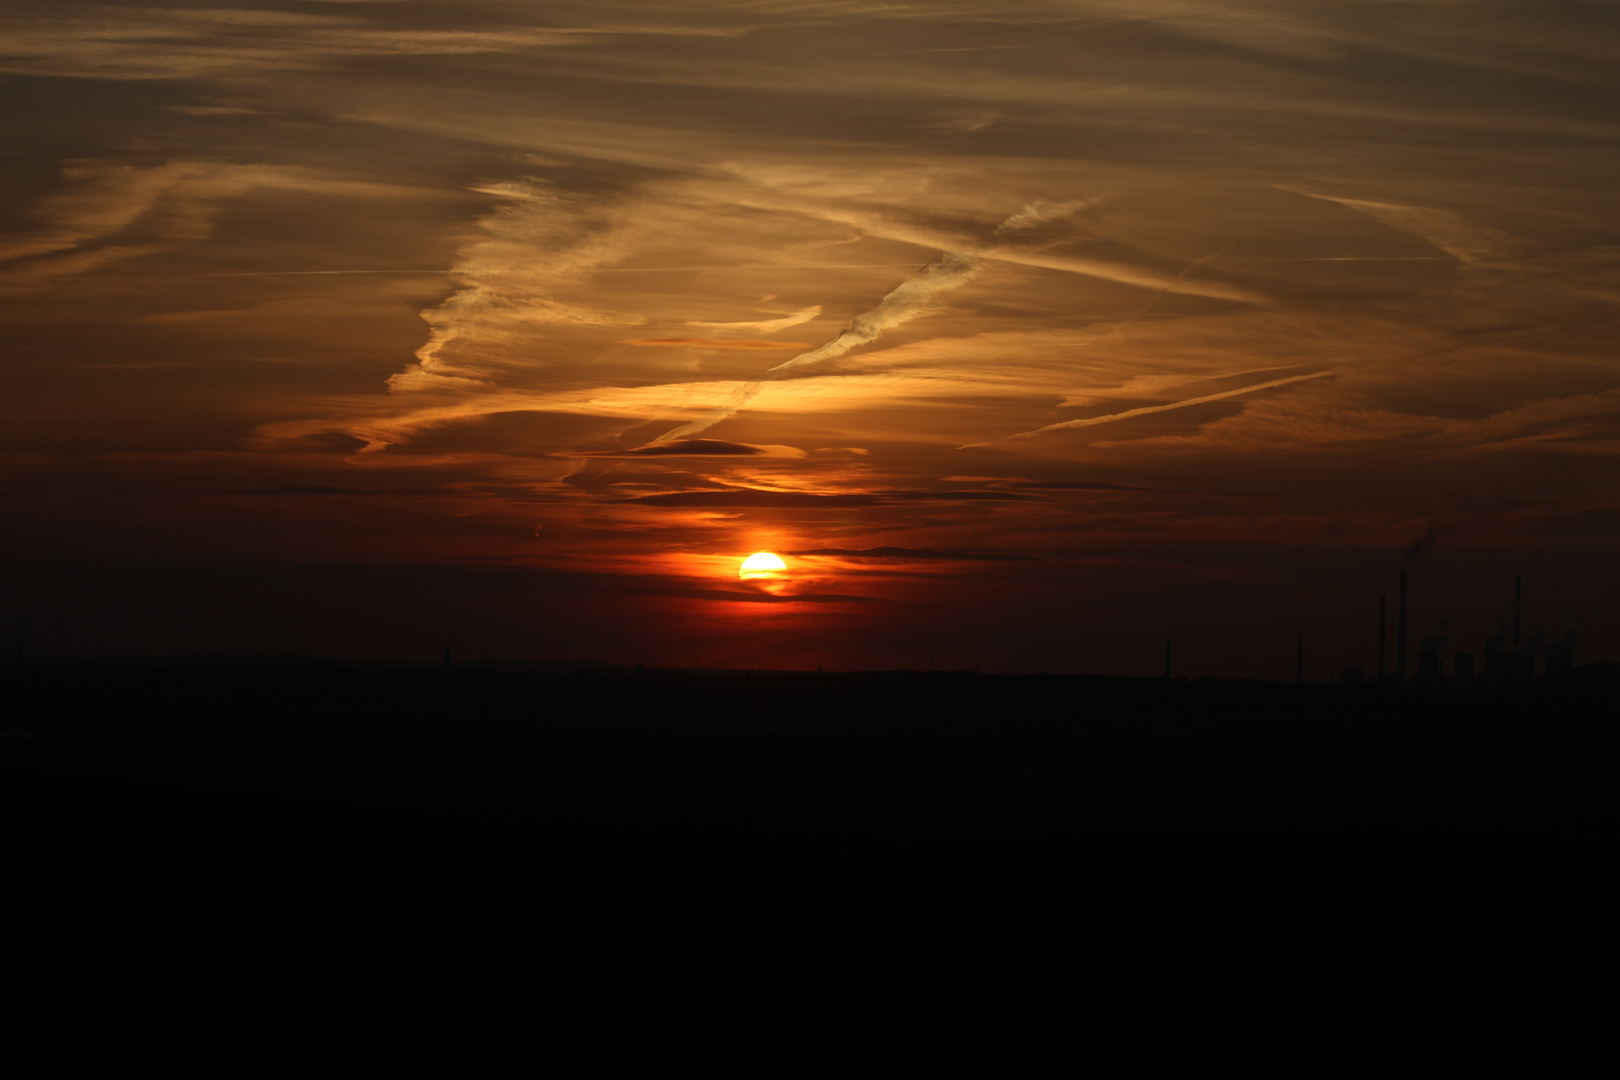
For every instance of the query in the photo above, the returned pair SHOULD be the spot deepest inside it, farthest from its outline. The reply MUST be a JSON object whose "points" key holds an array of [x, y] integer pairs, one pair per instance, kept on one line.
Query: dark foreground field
{"points": [[285, 870]]}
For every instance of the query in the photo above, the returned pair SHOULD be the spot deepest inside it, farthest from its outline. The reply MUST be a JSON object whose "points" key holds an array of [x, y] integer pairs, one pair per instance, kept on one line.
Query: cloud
{"points": [[750, 597], [767, 326], [1470, 243], [976, 120], [674, 223], [94, 42], [541, 241], [1574, 424], [939, 383], [696, 448], [919, 554], [810, 500], [787, 189], [939, 389], [781, 499], [910, 299], [1097, 485], [1149, 409], [40, 273], [213, 110], [319, 489], [1143, 159], [158, 206], [716, 343], [1081, 485], [904, 302]]}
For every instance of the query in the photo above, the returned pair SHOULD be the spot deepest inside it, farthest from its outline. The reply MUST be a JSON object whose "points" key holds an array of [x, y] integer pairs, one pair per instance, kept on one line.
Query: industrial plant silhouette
{"points": [[1510, 661], [694, 854]]}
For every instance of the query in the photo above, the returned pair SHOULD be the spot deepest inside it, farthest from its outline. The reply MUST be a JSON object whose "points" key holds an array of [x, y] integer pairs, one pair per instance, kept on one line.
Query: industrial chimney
{"points": [[1518, 599], [1383, 636], [1400, 633]]}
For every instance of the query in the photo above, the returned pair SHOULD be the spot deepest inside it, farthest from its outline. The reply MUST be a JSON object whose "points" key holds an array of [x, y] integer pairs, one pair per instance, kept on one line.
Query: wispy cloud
{"points": [[819, 501], [918, 554], [905, 302], [541, 240], [1376, 242], [714, 343], [803, 191], [110, 211], [766, 326], [1148, 410], [99, 42], [1469, 242], [700, 448]]}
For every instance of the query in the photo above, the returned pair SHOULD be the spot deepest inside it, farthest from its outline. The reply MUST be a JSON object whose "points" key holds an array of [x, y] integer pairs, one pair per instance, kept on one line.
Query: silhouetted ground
{"points": [[378, 864]]}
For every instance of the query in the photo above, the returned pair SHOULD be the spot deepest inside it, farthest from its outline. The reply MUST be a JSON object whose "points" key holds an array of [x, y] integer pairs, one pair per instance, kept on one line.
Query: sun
{"points": [[762, 566]]}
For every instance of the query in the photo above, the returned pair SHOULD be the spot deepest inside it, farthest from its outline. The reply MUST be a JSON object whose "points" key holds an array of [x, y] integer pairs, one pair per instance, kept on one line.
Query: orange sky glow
{"points": [[1029, 334]]}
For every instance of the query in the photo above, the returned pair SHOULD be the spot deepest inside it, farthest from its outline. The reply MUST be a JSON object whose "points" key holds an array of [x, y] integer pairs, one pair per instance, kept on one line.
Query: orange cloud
{"points": [[718, 343]]}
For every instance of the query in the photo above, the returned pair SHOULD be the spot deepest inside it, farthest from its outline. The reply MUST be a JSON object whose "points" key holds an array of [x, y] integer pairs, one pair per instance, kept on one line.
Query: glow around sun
{"points": [[762, 564]]}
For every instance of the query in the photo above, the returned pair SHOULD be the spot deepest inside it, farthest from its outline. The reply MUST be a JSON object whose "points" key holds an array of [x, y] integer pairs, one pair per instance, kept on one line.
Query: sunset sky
{"points": [[1030, 333]]}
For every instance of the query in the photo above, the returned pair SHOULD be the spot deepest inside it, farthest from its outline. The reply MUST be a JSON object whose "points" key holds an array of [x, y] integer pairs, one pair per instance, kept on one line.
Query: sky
{"points": [[1030, 334]]}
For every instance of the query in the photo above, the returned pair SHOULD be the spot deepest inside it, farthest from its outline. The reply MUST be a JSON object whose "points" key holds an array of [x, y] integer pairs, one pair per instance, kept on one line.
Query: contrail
{"points": [[1144, 411], [903, 303], [302, 273], [1127, 414], [605, 270], [768, 326], [971, 48], [1359, 258], [1171, 284], [749, 267]]}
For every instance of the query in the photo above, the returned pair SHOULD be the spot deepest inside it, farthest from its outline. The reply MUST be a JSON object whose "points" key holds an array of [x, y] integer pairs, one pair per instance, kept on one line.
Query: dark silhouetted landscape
{"points": [[705, 863], [531, 532]]}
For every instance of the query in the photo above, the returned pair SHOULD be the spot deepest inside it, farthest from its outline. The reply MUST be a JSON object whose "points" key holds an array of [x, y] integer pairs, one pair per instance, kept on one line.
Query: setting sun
{"points": [[762, 564]]}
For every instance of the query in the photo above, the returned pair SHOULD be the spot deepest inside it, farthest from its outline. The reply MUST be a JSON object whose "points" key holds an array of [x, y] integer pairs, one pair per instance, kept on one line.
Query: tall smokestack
{"points": [[1400, 631], [1518, 598], [1383, 636]]}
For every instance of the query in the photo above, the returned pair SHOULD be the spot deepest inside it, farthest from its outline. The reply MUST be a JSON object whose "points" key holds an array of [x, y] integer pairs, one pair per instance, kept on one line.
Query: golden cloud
{"points": [[717, 343]]}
